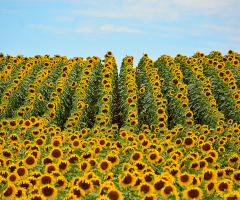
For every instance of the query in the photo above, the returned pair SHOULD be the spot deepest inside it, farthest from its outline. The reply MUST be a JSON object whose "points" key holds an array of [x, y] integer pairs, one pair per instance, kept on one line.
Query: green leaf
{"points": [[97, 186], [105, 191]]}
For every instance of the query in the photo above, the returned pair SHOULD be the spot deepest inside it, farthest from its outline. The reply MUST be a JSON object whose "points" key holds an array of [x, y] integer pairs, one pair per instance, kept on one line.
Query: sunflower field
{"points": [[82, 129]]}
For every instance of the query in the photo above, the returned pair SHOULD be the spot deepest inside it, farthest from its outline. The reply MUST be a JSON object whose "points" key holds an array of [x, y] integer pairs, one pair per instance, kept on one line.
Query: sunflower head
{"points": [[193, 193], [48, 191]]}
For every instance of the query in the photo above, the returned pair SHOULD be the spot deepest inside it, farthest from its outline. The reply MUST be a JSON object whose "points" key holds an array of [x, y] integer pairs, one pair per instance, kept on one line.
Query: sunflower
{"points": [[160, 160], [59, 89], [210, 187], [13, 178], [108, 54], [104, 165], [85, 185], [144, 189], [7, 154], [13, 124], [145, 143], [22, 172], [194, 165], [36, 132], [14, 138], [40, 97], [21, 192], [30, 162], [114, 159], [36, 174], [114, 194], [220, 173], [175, 81], [160, 111], [228, 171], [189, 142], [185, 179], [184, 104], [75, 193], [84, 131], [223, 185], [219, 66], [40, 141], [97, 150], [123, 134], [27, 124], [24, 184], [9, 192], [96, 183], [159, 183], [109, 177], [235, 63], [221, 149], [133, 122], [84, 166], [74, 84], [196, 181], [149, 177], [50, 106], [189, 114], [189, 122], [50, 168], [213, 154], [47, 160], [236, 177], [105, 187], [175, 171], [102, 142], [232, 195], [142, 90], [128, 180], [234, 159], [150, 197], [56, 153], [168, 190], [87, 155], [105, 99], [48, 191], [206, 147], [136, 156], [209, 175], [33, 180], [37, 197], [46, 179], [153, 156], [193, 193]]}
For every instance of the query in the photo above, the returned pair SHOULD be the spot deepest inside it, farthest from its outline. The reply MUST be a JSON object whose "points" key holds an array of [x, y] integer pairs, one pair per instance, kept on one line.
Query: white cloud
{"points": [[64, 19], [235, 39], [224, 31], [59, 30], [178, 31], [83, 30], [40, 27], [73, 30], [141, 10], [155, 10], [112, 28], [214, 43], [222, 28], [208, 7], [9, 11], [105, 28]]}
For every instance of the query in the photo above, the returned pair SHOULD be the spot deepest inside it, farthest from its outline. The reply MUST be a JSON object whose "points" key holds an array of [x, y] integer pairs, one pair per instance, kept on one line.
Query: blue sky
{"points": [[126, 27]]}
